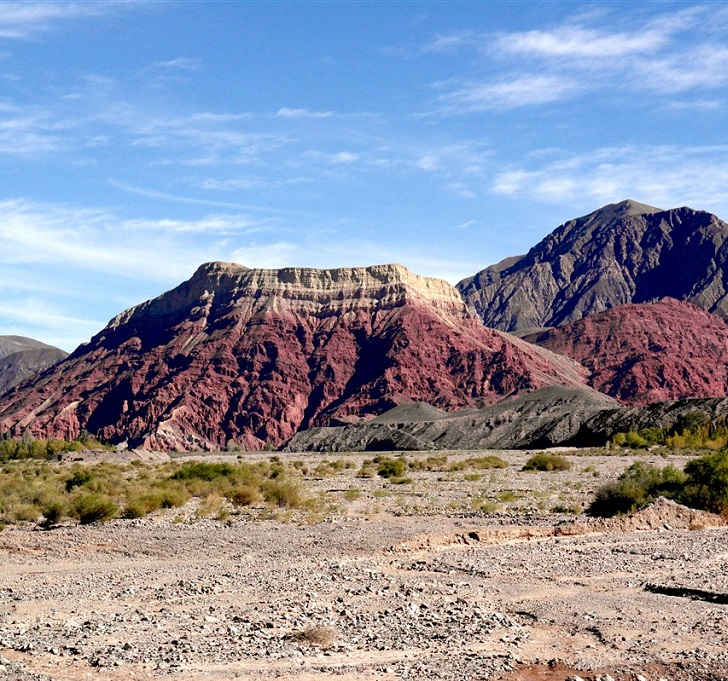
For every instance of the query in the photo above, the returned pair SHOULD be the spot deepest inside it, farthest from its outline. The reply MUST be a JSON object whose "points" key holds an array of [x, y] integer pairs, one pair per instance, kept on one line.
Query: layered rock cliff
{"points": [[623, 253], [645, 353], [252, 356]]}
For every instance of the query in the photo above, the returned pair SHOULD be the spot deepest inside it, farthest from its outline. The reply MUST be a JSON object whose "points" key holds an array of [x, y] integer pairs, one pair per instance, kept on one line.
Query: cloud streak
{"points": [[664, 176], [23, 20], [669, 55]]}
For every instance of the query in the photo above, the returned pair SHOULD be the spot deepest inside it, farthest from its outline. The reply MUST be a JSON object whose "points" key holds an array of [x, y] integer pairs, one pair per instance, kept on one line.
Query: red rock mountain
{"points": [[253, 356], [622, 253], [645, 353]]}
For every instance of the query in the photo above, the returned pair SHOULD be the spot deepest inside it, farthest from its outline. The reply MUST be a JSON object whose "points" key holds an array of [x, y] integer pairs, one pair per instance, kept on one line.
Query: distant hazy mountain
{"points": [[623, 253], [253, 356], [649, 352], [22, 357]]}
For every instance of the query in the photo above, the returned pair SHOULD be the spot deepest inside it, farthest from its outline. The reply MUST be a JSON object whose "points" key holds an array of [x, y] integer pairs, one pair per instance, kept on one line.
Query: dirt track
{"points": [[386, 592]]}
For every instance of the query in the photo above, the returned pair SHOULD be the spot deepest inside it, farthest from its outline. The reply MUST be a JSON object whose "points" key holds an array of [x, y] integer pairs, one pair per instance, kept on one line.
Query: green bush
{"points": [[391, 468], [54, 510], [203, 470], [480, 463], [79, 478], [636, 487], [283, 493], [245, 495], [547, 462], [707, 483], [93, 508]]}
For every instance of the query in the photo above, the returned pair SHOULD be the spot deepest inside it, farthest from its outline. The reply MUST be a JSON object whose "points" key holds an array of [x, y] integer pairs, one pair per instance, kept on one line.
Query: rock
{"points": [[241, 357], [645, 353], [623, 253]]}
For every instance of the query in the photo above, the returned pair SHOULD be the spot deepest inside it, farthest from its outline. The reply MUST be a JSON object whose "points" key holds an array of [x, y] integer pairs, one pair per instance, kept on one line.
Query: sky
{"points": [[141, 139]]}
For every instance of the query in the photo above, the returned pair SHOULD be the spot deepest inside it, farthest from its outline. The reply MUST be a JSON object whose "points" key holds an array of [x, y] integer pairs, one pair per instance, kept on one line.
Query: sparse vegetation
{"points": [[694, 430], [47, 492], [390, 468], [317, 635], [480, 463], [30, 447], [547, 462], [703, 485]]}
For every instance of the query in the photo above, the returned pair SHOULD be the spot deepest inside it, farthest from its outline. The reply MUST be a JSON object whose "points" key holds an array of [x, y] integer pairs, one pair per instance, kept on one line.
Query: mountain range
{"points": [[627, 301], [252, 356]]}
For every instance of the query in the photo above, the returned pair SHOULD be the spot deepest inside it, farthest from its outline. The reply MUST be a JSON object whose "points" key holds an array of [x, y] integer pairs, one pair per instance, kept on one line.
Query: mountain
{"points": [[623, 253], [22, 357], [642, 353], [252, 356]]}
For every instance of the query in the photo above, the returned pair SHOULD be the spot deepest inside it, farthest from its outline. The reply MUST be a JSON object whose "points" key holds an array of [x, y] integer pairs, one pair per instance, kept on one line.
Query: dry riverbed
{"points": [[463, 574]]}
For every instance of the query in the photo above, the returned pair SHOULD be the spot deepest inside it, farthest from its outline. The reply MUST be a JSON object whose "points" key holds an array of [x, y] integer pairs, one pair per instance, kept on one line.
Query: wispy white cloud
{"points": [[285, 112], [705, 67], [29, 131], [184, 63], [580, 42], [44, 320], [664, 176], [26, 19], [524, 90], [670, 54]]}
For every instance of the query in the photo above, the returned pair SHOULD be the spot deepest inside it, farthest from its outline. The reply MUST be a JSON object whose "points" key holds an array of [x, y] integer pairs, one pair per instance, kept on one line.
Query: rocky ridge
{"points": [[643, 353], [623, 253], [245, 356], [552, 416]]}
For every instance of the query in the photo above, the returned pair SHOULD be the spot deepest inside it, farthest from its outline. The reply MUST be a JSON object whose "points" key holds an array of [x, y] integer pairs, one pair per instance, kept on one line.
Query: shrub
{"points": [[316, 635], [707, 483], [92, 508], [245, 495], [53, 511], [283, 493], [203, 470], [547, 462], [636, 487], [79, 478], [480, 463], [391, 468]]}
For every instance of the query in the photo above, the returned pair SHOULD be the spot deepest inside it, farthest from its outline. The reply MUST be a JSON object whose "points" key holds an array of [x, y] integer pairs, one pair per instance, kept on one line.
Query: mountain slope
{"points": [[642, 353], [22, 357], [623, 253], [252, 356]]}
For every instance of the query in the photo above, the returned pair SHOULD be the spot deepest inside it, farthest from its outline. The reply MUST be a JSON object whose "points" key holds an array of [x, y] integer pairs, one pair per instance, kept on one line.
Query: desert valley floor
{"points": [[454, 575]]}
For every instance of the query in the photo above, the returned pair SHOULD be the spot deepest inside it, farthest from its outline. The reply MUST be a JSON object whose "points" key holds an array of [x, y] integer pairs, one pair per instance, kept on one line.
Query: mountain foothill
{"points": [[610, 313]]}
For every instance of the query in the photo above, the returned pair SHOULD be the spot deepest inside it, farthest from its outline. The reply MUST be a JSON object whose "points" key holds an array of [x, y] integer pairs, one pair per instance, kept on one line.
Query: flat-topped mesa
{"points": [[219, 288], [250, 356]]}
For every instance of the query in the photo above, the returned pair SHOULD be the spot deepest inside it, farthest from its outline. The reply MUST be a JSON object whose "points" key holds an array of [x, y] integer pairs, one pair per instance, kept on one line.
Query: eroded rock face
{"points": [[650, 352], [253, 356], [623, 253]]}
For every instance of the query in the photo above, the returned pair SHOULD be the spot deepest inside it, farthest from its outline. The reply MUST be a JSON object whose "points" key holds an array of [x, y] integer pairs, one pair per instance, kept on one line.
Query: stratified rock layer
{"points": [[251, 356], [645, 353], [22, 357], [622, 253]]}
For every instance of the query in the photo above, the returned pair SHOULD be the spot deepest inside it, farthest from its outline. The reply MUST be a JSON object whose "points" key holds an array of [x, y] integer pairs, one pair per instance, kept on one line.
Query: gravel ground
{"points": [[392, 581]]}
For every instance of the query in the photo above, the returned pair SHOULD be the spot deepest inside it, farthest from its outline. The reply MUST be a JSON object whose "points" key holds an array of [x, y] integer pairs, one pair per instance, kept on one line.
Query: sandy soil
{"points": [[389, 581]]}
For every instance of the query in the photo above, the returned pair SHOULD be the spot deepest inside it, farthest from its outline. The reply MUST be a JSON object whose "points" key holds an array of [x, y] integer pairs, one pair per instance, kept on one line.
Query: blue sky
{"points": [[140, 139]]}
